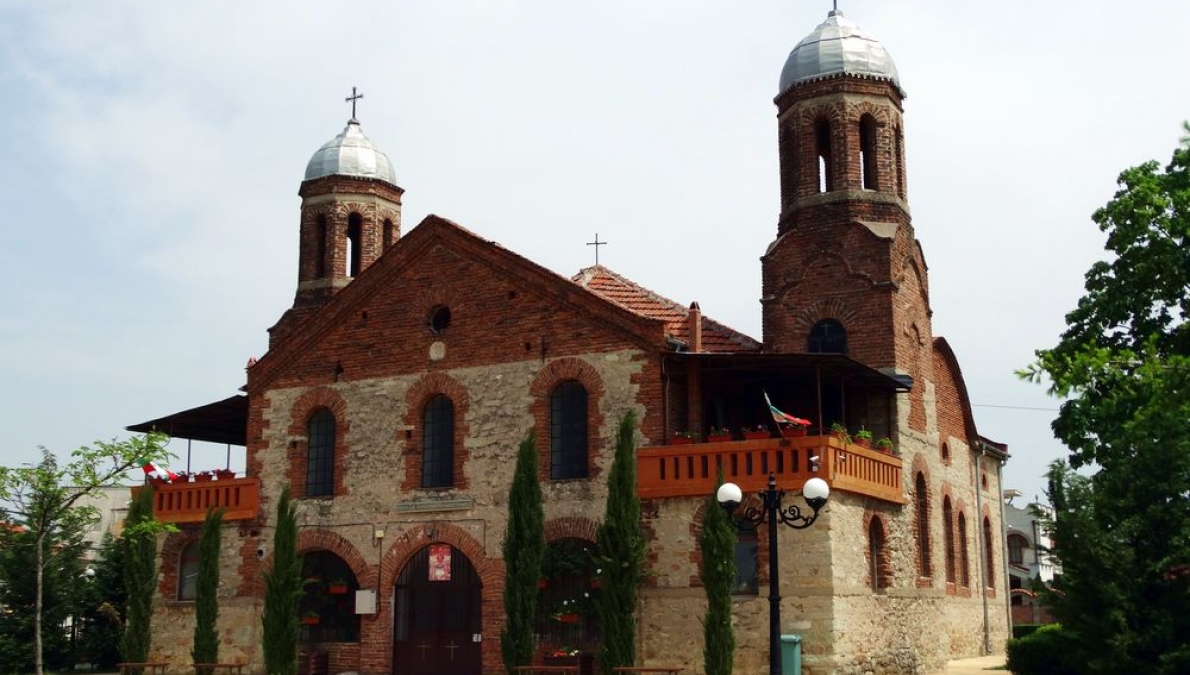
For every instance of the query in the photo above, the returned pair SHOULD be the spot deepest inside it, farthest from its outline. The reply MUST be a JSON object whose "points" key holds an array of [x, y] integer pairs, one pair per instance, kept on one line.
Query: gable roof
{"points": [[716, 337], [645, 331]]}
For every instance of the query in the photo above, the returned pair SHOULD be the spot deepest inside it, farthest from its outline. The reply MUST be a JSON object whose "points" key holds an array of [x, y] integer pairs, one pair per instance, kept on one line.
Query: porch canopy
{"points": [[800, 366], [224, 422]]}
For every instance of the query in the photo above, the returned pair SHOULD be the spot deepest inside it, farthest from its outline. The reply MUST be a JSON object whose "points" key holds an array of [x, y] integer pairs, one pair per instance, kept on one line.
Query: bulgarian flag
{"points": [[784, 418], [151, 471]]}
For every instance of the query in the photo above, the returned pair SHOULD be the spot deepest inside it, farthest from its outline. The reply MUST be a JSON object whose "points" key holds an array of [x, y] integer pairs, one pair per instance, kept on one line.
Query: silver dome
{"points": [[351, 154], [835, 47]]}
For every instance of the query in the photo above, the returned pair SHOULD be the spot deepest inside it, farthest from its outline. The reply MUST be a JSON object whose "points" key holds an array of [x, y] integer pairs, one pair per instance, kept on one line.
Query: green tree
{"points": [[47, 499], [140, 576], [104, 604], [716, 542], [1122, 533], [621, 551], [523, 549], [282, 592], [206, 605]]}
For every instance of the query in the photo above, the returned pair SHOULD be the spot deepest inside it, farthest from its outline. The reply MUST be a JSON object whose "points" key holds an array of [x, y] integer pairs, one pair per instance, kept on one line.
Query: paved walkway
{"points": [[982, 665]]}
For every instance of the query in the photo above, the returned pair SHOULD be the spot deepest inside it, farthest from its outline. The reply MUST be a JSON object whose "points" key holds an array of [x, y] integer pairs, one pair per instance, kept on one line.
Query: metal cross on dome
{"points": [[352, 99]]}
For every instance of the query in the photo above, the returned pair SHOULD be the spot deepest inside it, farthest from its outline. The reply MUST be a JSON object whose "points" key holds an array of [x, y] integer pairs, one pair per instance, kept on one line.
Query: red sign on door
{"points": [[440, 562]]}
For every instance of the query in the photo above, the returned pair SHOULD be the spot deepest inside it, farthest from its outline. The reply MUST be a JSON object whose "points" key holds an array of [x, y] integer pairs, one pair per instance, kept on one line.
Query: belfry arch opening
{"points": [[320, 247], [868, 165], [822, 148], [355, 229]]}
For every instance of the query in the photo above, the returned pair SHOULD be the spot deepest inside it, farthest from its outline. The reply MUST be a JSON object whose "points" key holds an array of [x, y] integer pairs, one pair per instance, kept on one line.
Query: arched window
{"points": [[355, 229], [900, 161], [877, 556], [327, 606], [964, 558], [438, 443], [989, 553], [320, 458], [867, 152], [566, 616], [946, 453], [747, 576], [1016, 549], [827, 337], [568, 431], [921, 500], [788, 150], [948, 538], [321, 232], [188, 572], [822, 141], [388, 233]]}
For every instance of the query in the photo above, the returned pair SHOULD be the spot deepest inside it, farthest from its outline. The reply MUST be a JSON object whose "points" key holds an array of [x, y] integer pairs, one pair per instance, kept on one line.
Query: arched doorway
{"points": [[437, 614]]}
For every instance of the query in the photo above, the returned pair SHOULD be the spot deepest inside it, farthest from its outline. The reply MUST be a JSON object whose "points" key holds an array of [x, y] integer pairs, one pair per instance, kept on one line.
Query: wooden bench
{"points": [[546, 670], [237, 668], [157, 667], [653, 670]]}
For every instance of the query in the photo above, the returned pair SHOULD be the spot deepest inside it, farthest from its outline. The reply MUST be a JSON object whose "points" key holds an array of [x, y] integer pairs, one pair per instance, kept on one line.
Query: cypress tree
{"points": [[717, 541], [621, 551], [206, 606], [523, 549], [282, 591], [140, 576]]}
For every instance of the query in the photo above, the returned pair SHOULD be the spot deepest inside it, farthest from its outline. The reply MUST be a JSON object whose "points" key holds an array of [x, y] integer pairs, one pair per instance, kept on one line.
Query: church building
{"points": [[397, 388]]}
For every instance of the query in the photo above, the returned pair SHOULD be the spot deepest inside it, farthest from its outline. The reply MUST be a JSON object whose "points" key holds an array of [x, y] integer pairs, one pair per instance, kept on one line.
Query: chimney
{"points": [[694, 324]]}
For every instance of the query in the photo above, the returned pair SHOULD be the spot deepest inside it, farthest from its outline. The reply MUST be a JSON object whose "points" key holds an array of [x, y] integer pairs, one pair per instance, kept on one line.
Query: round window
{"points": [[439, 319]]}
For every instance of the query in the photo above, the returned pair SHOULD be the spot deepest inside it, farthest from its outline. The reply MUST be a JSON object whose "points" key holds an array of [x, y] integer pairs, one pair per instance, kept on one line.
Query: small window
{"points": [[388, 233], [1016, 549], [188, 573], [877, 556], [827, 337], [320, 458], [747, 577], [945, 453], [439, 319], [568, 431], [438, 432]]}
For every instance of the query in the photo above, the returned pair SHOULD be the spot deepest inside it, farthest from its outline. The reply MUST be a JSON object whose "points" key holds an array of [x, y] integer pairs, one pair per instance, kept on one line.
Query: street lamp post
{"points": [[729, 496]]}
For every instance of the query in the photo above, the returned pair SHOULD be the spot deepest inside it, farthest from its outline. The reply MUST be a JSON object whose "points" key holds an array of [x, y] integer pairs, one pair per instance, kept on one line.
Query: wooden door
{"points": [[437, 615]]}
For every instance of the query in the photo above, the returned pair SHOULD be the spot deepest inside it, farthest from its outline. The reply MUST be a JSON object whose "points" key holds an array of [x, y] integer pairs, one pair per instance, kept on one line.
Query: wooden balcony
{"points": [[690, 470], [188, 502]]}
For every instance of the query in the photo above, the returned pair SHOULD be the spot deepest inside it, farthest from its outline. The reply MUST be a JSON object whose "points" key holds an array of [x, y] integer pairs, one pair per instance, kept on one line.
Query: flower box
{"points": [[718, 438], [681, 440], [756, 435], [793, 431], [309, 621], [337, 589], [568, 618]]}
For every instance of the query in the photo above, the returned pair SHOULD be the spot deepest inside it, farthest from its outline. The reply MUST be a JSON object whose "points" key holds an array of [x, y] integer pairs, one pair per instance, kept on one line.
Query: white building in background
{"points": [[1028, 555]]}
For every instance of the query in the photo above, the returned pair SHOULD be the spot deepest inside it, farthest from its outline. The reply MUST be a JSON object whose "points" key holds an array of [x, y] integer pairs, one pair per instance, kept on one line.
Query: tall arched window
{"points": [[327, 605], [568, 431], [877, 556], [868, 165], [320, 457], [921, 500], [438, 443], [747, 572], [822, 141], [388, 233], [355, 230], [188, 572], [900, 162], [989, 553], [948, 538], [827, 337], [964, 558], [321, 231]]}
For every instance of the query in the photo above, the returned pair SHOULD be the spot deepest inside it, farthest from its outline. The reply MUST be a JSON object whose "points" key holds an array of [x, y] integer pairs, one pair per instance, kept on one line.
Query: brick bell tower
{"points": [[351, 214], [845, 273]]}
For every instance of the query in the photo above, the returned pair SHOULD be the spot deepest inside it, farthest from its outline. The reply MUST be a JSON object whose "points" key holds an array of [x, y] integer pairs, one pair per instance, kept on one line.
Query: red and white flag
{"points": [[152, 471], [784, 418]]}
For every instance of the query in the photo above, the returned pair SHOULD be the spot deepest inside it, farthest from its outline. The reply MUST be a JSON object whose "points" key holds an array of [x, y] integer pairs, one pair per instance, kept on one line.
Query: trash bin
{"points": [[791, 655]]}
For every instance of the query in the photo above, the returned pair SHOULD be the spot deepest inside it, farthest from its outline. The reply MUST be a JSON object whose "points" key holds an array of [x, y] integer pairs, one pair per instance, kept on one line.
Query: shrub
{"points": [[1047, 651]]}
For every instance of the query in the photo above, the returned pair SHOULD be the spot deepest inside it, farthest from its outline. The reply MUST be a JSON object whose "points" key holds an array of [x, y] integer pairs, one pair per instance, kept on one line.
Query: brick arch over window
{"points": [[299, 446], [416, 399], [877, 553], [325, 540], [171, 561], [489, 570], [552, 375]]}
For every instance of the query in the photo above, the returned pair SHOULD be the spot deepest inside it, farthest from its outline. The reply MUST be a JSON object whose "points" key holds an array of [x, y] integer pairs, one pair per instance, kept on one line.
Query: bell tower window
{"points": [[354, 251], [388, 233], [320, 234], [822, 142], [899, 161], [827, 337], [867, 152]]}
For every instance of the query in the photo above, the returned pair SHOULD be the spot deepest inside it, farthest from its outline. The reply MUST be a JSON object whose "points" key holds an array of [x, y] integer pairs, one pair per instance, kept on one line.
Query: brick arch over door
{"points": [[570, 527], [298, 450], [553, 374], [489, 570], [416, 398]]}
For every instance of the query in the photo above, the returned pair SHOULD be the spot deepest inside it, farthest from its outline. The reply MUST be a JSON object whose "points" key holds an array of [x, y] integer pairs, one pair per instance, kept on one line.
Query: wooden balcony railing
{"points": [[691, 470], [188, 502]]}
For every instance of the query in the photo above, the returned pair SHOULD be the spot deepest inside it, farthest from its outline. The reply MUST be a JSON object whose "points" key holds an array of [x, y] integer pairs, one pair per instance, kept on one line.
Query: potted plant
{"points": [[337, 587], [885, 445], [756, 434], [863, 438], [794, 429], [224, 474], [181, 477], [203, 476], [718, 435], [840, 432], [310, 618], [683, 437]]}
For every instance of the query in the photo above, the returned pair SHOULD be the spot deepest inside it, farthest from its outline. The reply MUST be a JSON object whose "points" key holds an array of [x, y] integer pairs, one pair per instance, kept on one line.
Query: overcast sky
{"points": [[150, 156]]}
